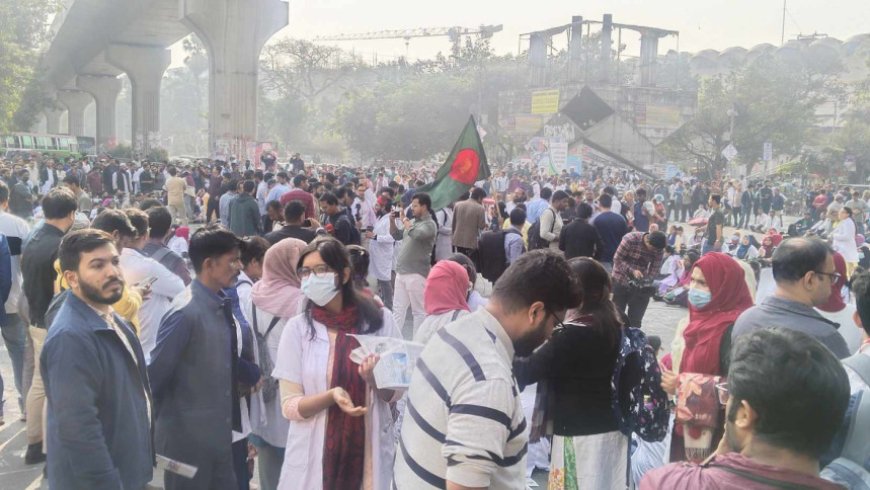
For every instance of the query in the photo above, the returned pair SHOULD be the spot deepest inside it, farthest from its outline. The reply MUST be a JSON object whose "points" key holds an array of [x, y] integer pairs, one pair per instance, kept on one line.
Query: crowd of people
{"points": [[202, 319]]}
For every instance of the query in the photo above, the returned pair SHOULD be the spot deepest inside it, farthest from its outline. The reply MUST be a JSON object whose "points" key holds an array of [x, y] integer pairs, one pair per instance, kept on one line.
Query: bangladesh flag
{"points": [[465, 165]]}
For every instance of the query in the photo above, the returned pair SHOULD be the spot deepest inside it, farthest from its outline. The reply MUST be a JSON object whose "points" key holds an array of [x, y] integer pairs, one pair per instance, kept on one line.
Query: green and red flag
{"points": [[465, 165]]}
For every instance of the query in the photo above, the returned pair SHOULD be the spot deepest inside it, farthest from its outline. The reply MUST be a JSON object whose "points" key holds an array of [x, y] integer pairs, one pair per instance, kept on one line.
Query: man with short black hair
{"points": [[635, 264], [85, 204], [804, 271], [713, 233], [13, 328], [468, 221], [233, 188], [551, 219], [414, 260], [160, 229], [99, 401], [300, 192], [294, 220], [786, 397], [245, 213], [466, 427], [140, 269], [611, 227], [175, 187], [535, 208], [280, 188], [513, 242], [579, 238], [337, 223], [193, 369], [37, 269], [21, 196]]}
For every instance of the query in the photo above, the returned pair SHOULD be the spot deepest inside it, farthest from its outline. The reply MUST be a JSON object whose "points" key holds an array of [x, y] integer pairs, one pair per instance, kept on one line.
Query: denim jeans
{"points": [[15, 336]]}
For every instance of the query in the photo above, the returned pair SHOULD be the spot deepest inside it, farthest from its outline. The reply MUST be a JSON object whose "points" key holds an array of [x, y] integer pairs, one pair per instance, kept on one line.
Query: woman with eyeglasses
{"points": [[718, 294], [341, 427], [577, 365], [275, 299]]}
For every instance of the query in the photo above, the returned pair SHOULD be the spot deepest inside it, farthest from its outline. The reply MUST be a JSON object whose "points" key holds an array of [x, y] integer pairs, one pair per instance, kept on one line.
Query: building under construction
{"points": [[592, 103]]}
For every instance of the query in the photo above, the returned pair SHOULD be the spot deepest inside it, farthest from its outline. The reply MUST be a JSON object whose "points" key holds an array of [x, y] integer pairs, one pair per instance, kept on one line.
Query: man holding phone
{"points": [[415, 259]]}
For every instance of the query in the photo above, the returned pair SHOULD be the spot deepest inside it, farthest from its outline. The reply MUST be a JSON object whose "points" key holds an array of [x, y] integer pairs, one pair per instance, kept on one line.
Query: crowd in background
{"points": [[205, 312]]}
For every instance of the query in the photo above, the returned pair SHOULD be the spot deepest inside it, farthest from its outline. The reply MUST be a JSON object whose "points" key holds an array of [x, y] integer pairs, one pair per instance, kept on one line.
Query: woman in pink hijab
{"points": [[444, 298], [276, 298]]}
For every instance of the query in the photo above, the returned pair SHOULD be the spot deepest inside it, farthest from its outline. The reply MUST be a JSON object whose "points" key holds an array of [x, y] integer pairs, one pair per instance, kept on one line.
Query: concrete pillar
{"points": [[234, 32], [76, 102], [105, 90], [649, 54], [606, 46], [144, 66], [52, 120]]}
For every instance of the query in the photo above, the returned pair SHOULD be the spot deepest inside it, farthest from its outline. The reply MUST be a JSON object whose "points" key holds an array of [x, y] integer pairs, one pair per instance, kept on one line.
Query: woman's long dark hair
{"points": [[334, 254], [595, 286]]}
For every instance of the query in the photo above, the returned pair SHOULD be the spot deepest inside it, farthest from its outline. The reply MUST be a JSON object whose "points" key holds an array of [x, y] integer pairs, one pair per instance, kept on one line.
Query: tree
{"points": [[22, 33], [303, 69], [770, 100], [184, 114], [701, 140], [852, 141]]}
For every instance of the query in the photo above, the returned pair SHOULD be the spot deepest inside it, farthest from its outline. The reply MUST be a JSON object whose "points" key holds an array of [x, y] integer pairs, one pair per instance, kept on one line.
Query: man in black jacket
{"points": [[579, 238], [37, 270]]}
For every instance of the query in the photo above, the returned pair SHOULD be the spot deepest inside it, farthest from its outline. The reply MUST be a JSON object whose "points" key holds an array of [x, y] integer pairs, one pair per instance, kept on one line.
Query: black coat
{"points": [[580, 239]]}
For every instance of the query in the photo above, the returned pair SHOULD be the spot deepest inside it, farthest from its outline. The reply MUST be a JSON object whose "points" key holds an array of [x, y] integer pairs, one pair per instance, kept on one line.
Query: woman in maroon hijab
{"points": [[718, 294]]}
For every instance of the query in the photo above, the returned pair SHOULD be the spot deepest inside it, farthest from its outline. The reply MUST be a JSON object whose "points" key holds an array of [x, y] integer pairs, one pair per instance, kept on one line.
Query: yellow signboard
{"points": [[545, 102]]}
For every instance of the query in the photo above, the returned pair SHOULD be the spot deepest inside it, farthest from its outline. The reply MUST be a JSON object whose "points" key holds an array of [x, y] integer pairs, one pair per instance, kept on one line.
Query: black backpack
{"points": [[492, 255], [535, 240]]}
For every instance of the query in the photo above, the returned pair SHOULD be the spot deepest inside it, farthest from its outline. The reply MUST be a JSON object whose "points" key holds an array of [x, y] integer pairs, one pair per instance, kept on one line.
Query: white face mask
{"points": [[320, 289]]}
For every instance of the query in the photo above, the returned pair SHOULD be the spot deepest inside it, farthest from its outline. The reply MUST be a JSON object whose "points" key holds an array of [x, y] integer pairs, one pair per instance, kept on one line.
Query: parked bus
{"points": [[55, 145]]}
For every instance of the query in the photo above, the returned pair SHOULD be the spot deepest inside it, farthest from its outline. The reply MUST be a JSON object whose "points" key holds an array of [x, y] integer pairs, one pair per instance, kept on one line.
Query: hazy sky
{"points": [[702, 24]]}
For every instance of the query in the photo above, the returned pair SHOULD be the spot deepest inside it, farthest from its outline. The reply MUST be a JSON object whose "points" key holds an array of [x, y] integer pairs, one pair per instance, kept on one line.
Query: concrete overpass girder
{"points": [[234, 32], [76, 101], [144, 66], [105, 91]]}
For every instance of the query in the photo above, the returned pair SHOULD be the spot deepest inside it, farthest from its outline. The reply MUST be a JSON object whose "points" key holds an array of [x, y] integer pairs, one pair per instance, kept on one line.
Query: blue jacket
{"points": [[194, 377], [98, 433]]}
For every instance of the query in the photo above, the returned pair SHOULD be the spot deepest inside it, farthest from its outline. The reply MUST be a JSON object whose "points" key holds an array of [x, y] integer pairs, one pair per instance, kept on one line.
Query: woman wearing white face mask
{"points": [[340, 432], [718, 294]]}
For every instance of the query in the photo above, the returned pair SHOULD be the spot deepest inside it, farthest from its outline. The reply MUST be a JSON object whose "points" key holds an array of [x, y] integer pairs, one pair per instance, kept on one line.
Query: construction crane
{"points": [[453, 33]]}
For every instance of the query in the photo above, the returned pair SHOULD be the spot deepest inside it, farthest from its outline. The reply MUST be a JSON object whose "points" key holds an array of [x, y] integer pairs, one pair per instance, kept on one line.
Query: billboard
{"points": [[545, 102]]}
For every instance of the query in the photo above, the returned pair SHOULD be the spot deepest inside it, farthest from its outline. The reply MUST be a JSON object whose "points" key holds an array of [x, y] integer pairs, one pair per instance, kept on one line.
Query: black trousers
{"points": [[213, 208], [634, 301]]}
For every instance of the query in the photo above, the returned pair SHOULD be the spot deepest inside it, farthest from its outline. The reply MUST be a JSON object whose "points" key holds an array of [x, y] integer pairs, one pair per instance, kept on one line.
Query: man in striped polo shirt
{"points": [[464, 426]]}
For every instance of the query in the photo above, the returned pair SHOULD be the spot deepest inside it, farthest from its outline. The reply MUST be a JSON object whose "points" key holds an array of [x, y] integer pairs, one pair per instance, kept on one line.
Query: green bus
{"points": [[54, 145]]}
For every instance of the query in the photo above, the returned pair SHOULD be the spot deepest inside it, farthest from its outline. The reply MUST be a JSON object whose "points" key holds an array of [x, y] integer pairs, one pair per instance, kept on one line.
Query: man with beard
{"points": [[785, 399], [194, 368], [382, 249], [99, 401], [466, 427]]}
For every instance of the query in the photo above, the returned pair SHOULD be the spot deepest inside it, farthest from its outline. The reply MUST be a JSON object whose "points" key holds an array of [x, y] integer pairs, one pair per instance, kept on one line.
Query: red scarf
{"points": [[344, 449], [835, 300], [703, 334]]}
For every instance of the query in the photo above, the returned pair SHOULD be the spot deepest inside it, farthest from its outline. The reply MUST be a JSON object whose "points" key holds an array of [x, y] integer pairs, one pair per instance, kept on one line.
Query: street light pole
{"points": [[782, 35]]}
